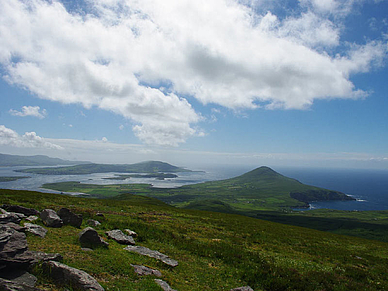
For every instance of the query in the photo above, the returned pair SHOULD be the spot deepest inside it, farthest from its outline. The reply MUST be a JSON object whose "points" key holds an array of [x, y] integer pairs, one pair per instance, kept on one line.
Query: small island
{"points": [[12, 178]]}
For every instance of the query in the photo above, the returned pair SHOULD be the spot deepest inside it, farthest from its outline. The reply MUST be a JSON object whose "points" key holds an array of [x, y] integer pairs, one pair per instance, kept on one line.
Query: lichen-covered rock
{"points": [[145, 271], [245, 288], [78, 279], [164, 285], [70, 218], [10, 217], [51, 218], [93, 223], [89, 237], [120, 237], [20, 209], [131, 232], [35, 229], [153, 254]]}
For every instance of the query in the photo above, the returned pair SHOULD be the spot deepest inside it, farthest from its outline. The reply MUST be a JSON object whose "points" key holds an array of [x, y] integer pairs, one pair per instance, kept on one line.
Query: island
{"points": [[37, 160], [12, 178], [157, 176]]}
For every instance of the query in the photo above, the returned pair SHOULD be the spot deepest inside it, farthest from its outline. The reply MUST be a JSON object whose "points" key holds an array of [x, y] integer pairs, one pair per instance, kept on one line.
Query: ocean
{"points": [[369, 187]]}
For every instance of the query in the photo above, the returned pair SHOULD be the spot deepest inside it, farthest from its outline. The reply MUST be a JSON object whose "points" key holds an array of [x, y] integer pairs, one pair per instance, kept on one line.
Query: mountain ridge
{"points": [[36, 160]]}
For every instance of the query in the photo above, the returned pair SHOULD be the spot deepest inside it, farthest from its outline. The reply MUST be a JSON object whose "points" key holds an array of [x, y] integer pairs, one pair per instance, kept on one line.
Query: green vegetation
{"points": [[145, 167], [12, 178], [39, 160], [158, 176], [215, 251]]}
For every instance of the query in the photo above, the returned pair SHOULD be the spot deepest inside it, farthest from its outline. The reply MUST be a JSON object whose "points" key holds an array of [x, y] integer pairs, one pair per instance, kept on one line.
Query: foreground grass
{"points": [[215, 251]]}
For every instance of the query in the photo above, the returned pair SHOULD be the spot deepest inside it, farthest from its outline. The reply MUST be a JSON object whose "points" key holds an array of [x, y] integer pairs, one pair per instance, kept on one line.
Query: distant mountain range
{"points": [[84, 169], [39, 160]]}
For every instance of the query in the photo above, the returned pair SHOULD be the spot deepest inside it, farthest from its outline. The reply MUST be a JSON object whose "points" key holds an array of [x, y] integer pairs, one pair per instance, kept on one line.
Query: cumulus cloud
{"points": [[146, 59], [28, 140], [29, 111]]}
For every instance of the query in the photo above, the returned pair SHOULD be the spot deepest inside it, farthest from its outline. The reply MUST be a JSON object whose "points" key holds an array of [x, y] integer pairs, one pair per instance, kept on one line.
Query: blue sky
{"points": [[296, 83]]}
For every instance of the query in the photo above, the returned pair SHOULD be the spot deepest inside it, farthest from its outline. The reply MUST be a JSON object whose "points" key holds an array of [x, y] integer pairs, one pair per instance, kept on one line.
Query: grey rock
{"points": [[89, 237], [100, 214], [120, 237], [92, 222], [51, 218], [10, 217], [145, 271], [86, 249], [38, 257], [70, 218], [67, 275], [32, 218], [8, 285], [15, 226], [12, 245], [3, 211], [245, 288], [164, 285], [153, 254], [36, 229], [20, 209], [131, 232], [20, 277]]}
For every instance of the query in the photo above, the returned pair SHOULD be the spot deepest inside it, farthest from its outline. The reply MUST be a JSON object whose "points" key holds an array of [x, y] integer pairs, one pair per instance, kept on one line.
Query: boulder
{"points": [[145, 271], [12, 245], [70, 218], [153, 254], [245, 288], [78, 279], [51, 218], [36, 229], [92, 222], [131, 232], [164, 285], [20, 209], [120, 237], [89, 237]]}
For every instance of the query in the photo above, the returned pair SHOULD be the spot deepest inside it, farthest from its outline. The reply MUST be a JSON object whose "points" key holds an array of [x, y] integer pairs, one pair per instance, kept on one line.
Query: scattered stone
{"points": [[90, 238], [37, 257], [12, 245], [164, 285], [145, 271], [70, 218], [120, 237], [15, 226], [32, 218], [153, 254], [3, 211], [10, 217], [8, 285], [51, 218], [131, 232], [19, 277], [86, 249], [20, 209], [100, 214], [36, 229], [245, 288], [76, 278], [93, 222]]}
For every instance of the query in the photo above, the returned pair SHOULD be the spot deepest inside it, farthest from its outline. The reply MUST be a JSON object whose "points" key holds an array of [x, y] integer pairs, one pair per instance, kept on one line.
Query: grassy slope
{"points": [[216, 251], [144, 167]]}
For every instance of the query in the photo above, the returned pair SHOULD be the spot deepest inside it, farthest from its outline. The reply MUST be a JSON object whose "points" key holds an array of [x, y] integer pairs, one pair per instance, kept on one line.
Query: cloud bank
{"points": [[28, 140], [146, 60]]}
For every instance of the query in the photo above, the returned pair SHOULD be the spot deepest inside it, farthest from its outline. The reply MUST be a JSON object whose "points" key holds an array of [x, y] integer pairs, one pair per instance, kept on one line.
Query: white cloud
{"points": [[28, 140], [121, 127], [139, 58], [104, 139], [30, 111]]}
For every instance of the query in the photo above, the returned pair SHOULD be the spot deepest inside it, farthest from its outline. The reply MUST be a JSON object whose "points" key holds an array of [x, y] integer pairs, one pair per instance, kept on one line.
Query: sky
{"points": [[228, 82]]}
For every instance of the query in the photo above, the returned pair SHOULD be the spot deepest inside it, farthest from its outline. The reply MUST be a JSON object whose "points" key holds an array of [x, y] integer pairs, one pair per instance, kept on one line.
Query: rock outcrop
{"points": [[145, 271], [20, 209], [78, 279], [164, 285], [51, 218], [70, 218], [120, 237], [153, 254], [89, 237], [36, 229]]}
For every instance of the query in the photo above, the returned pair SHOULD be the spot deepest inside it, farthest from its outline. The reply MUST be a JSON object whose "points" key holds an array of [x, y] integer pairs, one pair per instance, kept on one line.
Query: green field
{"points": [[215, 251]]}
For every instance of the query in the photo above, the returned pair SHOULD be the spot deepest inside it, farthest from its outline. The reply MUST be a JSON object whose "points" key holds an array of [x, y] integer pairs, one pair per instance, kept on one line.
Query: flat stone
{"points": [[92, 222], [50, 218], [32, 218], [12, 244], [153, 254], [245, 288], [8, 285], [20, 277], [131, 232], [89, 237], [145, 271], [78, 279], [20, 209], [35, 229], [120, 237], [70, 218], [164, 285], [10, 217], [15, 226]]}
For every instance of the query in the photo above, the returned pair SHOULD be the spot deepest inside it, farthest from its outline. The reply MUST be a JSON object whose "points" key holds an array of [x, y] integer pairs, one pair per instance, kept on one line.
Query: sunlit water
{"points": [[369, 187]]}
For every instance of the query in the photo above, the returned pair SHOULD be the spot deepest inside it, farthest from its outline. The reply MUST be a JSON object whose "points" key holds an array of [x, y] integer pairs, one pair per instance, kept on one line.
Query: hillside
{"points": [[39, 160], [215, 251], [144, 167]]}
